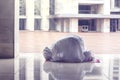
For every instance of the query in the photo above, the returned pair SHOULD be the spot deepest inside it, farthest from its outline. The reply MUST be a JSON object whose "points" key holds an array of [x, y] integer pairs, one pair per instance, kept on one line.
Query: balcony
{"points": [[91, 1], [100, 16], [87, 12]]}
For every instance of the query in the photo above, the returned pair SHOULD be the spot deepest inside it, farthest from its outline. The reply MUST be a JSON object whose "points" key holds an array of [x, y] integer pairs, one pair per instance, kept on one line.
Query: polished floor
{"points": [[98, 43], [33, 67], [30, 64]]}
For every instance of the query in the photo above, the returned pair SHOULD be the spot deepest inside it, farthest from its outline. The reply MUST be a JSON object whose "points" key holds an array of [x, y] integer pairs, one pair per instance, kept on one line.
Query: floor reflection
{"points": [[28, 67], [6, 69], [34, 67], [67, 71]]}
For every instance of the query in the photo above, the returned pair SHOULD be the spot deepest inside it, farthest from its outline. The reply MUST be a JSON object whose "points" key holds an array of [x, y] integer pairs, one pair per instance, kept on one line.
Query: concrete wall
{"points": [[6, 28], [106, 7], [100, 9], [112, 2], [66, 7]]}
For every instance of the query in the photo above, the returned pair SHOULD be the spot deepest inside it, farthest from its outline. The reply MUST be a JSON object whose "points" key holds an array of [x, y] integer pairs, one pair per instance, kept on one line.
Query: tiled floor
{"points": [[98, 43], [33, 67]]}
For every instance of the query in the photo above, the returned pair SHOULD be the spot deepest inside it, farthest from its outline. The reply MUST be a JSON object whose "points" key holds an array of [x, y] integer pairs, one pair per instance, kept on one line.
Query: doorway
{"points": [[86, 25], [113, 25], [22, 24], [37, 24]]}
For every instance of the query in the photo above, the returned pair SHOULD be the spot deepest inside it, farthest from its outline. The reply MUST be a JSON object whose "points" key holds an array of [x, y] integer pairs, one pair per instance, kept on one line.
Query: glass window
{"points": [[37, 24], [22, 24], [115, 78], [117, 3], [22, 7], [52, 23], [52, 7], [37, 7], [84, 9]]}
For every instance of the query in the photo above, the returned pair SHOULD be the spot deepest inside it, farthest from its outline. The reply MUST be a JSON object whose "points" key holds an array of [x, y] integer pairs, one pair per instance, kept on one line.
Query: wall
{"points": [[6, 28], [66, 7]]}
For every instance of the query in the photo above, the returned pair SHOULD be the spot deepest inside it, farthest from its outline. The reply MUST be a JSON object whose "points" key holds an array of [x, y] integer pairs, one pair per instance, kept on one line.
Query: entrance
{"points": [[52, 25], [87, 25], [22, 24], [113, 25], [37, 23]]}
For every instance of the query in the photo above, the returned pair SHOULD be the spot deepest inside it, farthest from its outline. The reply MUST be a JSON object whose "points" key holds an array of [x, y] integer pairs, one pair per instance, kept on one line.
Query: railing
{"points": [[87, 12]]}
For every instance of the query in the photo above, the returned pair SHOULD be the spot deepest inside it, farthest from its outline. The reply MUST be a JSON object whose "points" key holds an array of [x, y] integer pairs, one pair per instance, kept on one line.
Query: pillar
{"points": [[66, 25], [30, 14], [16, 29], [105, 10], [112, 4], [58, 25], [45, 15], [118, 24], [105, 25], [73, 25], [98, 25], [6, 28]]}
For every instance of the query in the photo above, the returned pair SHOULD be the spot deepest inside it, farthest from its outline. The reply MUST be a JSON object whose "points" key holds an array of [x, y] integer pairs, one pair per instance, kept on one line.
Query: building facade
{"points": [[70, 16]]}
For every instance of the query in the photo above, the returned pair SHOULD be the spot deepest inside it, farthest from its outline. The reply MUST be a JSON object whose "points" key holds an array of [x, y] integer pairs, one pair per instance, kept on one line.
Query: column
{"points": [[66, 25], [106, 7], [105, 25], [106, 22], [73, 25], [16, 29], [98, 25], [112, 4], [45, 15], [118, 24], [62, 25], [6, 28], [29, 68], [30, 14], [58, 25]]}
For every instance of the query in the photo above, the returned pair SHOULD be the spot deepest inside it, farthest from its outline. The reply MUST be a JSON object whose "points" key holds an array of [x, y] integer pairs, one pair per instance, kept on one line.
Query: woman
{"points": [[68, 49]]}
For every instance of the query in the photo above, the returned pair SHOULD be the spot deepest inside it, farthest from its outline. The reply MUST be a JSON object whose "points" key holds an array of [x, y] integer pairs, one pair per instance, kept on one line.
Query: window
{"points": [[22, 24], [22, 7], [115, 78], [37, 7], [37, 23], [52, 7], [84, 9], [117, 3]]}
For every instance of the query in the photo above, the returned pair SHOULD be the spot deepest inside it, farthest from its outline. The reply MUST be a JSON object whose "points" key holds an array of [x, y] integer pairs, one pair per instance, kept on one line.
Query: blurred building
{"points": [[70, 16], [115, 69]]}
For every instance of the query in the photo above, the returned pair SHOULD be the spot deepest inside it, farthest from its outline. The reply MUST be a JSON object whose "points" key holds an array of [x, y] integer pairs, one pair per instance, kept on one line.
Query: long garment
{"points": [[68, 49]]}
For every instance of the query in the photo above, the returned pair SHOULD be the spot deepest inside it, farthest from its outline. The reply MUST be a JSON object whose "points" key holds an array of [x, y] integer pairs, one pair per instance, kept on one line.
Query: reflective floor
{"points": [[33, 67]]}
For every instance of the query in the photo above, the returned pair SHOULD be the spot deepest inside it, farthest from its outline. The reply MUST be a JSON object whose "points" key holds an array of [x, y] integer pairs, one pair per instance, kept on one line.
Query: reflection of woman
{"points": [[67, 71], [68, 49]]}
